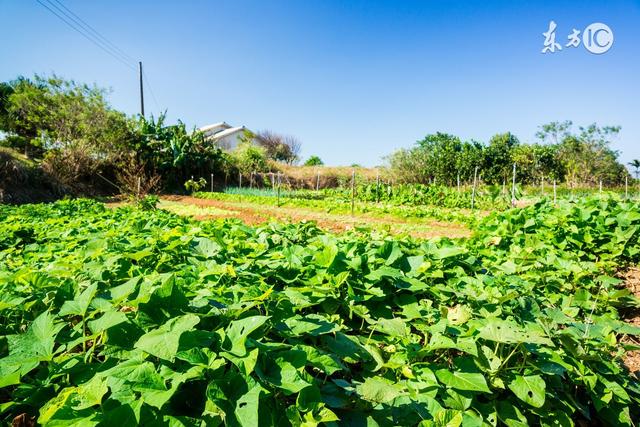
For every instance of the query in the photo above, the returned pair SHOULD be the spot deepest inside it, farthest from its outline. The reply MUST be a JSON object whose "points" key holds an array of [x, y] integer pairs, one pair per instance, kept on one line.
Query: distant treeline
{"points": [[562, 154], [77, 140]]}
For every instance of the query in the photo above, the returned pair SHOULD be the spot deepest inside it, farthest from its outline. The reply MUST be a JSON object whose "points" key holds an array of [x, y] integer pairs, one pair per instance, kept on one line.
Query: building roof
{"points": [[220, 125], [227, 132]]}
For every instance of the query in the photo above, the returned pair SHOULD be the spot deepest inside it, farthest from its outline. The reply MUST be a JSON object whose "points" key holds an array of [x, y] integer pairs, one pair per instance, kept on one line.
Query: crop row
{"points": [[125, 316]]}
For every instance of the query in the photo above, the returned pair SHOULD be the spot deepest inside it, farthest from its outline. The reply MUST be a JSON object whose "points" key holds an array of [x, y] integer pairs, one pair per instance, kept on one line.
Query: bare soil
{"points": [[632, 281], [254, 214]]}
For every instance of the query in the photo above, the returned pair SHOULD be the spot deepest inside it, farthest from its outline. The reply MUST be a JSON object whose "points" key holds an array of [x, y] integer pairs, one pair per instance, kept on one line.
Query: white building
{"points": [[224, 135]]}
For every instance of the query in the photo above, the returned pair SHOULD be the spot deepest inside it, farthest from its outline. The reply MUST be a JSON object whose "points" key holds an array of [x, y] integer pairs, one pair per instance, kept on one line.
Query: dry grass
{"points": [[330, 176]]}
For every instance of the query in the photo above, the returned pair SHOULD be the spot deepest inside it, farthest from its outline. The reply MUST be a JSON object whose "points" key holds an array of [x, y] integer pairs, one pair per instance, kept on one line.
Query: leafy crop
{"points": [[121, 317], [342, 206], [398, 194]]}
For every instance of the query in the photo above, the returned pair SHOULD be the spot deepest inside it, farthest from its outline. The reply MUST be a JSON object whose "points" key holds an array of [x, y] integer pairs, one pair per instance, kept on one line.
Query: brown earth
{"points": [[632, 281], [254, 214]]}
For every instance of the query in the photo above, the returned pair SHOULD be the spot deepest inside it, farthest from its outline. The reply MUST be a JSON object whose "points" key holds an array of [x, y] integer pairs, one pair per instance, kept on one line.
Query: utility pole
{"points": [[141, 89]]}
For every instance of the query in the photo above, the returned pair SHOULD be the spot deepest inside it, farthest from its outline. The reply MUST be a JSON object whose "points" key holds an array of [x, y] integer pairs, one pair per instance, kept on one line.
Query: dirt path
{"points": [[253, 214], [632, 281]]}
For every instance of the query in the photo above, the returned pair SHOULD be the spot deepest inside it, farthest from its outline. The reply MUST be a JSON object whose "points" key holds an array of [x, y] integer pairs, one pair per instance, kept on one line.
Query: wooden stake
{"points": [[279, 181], [353, 191], [473, 191], [626, 187], [513, 186]]}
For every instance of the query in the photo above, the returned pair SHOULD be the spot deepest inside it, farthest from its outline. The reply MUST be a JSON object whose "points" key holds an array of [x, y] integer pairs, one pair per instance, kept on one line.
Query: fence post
{"points": [[240, 180], [600, 191], [138, 195], [554, 192], [212, 183], [279, 181], [318, 181], [458, 180], [513, 186], [353, 190], [377, 186], [473, 191], [542, 185], [626, 187]]}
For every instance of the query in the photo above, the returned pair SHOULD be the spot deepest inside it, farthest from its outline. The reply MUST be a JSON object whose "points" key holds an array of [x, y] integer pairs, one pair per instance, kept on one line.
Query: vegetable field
{"points": [[127, 316]]}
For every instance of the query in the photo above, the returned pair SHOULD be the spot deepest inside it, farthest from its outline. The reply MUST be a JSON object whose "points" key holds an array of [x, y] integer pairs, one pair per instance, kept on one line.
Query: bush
{"points": [[314, 161], [195, 185], [250, 158], [148, 202]]}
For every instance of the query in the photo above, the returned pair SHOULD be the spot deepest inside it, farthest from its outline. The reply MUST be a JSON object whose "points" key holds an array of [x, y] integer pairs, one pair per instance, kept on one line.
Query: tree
{"points": [[554, 132], [314, 161], [498, 157], [410, 166], [440, 152], [282, 148], [635, 164], [5, 120], [469, 156], [53, 113], [586, 156], [249, 158], [173, 151], [536, 162]]}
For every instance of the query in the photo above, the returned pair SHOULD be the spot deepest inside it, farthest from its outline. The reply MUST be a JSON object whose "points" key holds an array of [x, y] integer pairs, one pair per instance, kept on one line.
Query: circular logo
{"points": [[597, 38]]}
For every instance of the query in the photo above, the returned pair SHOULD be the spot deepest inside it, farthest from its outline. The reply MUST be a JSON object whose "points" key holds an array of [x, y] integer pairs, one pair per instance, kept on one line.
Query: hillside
{"points": [[22, 180]]}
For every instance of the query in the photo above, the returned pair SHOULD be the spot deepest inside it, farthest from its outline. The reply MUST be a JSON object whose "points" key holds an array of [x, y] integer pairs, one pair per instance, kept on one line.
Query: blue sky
{"points": [[353, 80]]}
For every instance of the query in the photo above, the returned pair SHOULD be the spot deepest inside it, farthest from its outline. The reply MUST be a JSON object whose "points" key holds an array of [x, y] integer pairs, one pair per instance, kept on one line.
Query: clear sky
{"points": [[353, 80]]}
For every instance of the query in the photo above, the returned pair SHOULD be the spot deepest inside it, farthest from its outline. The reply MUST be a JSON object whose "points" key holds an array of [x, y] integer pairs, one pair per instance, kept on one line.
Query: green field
{"points": [[125, 316]]}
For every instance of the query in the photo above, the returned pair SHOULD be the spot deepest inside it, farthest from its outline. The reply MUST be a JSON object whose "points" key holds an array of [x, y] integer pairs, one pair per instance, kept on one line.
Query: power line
{"points": [[95, 32], [67, 16], [85, 35], [153, 96], [79, 26]]}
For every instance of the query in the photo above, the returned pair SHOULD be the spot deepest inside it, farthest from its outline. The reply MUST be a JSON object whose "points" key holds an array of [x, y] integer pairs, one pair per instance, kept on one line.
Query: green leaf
{"points": [[80, 304], [90, 393], [106, 321], [510, 415], [529, 389], [312, 324], [247, 407], [378, 390], [394, 327], [238, 331], [448, 418], [463, 380], [163, 342], [448, 252]]}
